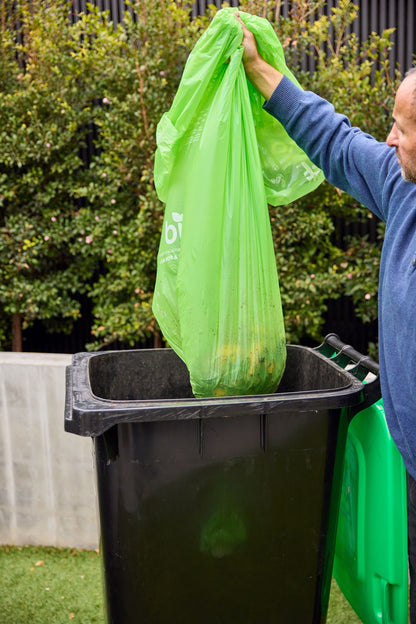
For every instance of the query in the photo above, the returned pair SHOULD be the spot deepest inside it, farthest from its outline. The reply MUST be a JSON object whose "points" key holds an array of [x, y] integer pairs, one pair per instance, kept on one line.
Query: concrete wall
{"points": [[47, 479]]}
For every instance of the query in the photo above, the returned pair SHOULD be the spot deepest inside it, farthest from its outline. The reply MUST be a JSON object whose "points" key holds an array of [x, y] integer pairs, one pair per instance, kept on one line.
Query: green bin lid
{"points": [[370, 565]]}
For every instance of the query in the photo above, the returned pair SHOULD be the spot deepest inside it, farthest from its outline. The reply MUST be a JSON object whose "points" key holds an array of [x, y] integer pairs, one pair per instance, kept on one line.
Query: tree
{"points": [[137, 68], [45, 103], [70, 226]]}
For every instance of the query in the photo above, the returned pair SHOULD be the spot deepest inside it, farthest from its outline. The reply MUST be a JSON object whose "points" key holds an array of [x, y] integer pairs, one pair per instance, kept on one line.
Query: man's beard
{"points": [[408, 176]]}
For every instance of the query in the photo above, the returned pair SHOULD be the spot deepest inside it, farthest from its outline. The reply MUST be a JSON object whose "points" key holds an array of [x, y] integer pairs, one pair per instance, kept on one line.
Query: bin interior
{"points": [[147, 374]]}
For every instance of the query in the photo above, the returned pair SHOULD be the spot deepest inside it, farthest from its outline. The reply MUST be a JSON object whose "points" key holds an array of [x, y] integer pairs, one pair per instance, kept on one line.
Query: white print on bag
{"points": [[169, 256], [310, 171], [172, 231]]}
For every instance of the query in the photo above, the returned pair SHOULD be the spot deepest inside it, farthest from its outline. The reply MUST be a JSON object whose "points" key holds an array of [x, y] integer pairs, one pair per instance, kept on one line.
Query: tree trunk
{"points": [[157, 340], [17, 333]]}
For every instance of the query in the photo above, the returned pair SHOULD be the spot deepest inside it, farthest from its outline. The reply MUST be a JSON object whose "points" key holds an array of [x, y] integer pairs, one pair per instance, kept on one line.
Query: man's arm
{"points": [[350, 159], [262, 76]]}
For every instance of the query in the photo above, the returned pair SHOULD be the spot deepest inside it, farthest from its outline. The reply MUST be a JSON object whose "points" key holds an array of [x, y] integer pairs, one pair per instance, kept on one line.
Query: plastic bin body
{"points": [[214, 510]]}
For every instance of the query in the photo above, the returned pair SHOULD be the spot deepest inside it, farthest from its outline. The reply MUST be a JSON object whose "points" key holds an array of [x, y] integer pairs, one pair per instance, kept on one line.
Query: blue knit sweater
{"points": [[368, 170]]}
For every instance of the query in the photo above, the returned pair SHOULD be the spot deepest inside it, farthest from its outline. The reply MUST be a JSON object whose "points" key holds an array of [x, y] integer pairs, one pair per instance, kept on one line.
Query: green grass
{"points": [[57, 586], [339, 610], [50, 586]]}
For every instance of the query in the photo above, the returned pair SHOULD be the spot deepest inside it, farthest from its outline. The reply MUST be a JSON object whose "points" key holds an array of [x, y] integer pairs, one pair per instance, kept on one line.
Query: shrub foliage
{"points": [[72, 225]]}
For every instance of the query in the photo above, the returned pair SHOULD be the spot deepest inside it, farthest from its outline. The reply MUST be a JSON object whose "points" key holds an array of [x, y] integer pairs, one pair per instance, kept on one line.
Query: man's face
{"points": [[403, 133]]}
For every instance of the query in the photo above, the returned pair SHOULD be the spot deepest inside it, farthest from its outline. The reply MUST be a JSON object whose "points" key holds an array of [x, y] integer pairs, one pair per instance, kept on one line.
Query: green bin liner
{"points": [[220, 159]]}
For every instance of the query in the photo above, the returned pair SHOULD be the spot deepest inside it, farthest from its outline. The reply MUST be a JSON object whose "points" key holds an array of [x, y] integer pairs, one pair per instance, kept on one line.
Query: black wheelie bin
{"points": [[218, 510]]}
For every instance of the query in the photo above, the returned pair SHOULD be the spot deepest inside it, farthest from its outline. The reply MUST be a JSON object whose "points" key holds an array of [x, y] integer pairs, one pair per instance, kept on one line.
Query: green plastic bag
{"points": [[220, 159]]}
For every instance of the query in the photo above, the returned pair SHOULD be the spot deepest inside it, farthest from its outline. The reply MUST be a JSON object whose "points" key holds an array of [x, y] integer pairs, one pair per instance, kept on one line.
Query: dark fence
{"points": [[374, 16]]}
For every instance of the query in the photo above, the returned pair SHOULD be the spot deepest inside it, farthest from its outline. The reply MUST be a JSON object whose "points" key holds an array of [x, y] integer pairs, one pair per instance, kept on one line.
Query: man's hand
{"points": [[251, 53], [262, 76]]}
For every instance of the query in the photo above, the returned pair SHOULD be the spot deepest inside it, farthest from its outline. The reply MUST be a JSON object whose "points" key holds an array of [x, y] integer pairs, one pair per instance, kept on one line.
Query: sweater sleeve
{"points": [[350, 159]]}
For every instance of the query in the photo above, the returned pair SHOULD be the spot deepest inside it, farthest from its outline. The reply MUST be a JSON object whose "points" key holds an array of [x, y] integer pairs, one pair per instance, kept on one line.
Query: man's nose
{"points": [[392, 139]]}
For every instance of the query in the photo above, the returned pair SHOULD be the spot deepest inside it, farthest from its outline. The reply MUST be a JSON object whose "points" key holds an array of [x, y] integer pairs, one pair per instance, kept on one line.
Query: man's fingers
{"points": [[237, 15]]}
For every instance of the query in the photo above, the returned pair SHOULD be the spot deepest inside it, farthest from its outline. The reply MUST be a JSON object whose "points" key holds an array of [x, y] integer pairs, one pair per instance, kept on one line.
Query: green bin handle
{"points": [[359, 365]]}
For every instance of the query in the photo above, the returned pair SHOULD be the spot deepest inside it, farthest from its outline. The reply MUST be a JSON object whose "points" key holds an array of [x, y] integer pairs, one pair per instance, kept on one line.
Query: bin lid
{"points": [[370, 565]]}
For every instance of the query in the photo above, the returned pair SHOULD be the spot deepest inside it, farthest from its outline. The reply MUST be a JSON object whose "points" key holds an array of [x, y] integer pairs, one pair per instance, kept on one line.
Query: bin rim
{"points": [[89, 415]]}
